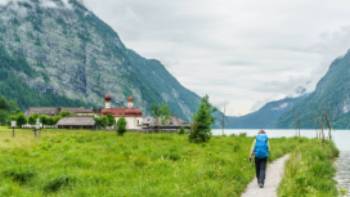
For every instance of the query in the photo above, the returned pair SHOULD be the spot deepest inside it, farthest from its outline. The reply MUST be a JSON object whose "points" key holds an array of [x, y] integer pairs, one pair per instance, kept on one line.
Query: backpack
{"points": [[261, 149]]}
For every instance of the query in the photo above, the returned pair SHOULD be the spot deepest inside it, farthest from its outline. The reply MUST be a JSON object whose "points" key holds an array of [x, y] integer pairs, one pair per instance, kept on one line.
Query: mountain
{"points": [[266, 117], [57, 52], [331, 97]]}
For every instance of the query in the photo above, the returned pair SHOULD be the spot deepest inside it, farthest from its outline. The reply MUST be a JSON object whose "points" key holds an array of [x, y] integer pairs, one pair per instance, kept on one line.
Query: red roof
{"points": [[122, 112]]}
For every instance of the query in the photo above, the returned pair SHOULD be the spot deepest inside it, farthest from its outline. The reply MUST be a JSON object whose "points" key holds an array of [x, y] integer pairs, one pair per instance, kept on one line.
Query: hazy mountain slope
{"points": [[62, 54], [266, 117], [331, 96]]}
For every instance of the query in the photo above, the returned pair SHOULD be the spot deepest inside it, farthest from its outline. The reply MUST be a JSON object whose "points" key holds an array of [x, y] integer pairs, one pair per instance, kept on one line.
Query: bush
{"points": [[121, 126], [32, 119], [173, 156], [48, 120], [110, 120], [101, 122], [6, 109], [64, 114], [105, 121], [20, 119], [182, 131], [57, 183], [20, 175]]}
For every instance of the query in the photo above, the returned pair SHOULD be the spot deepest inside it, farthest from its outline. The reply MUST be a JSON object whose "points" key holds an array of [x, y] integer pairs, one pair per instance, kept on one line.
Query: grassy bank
{"points": [[84, 163], [310, 171]]}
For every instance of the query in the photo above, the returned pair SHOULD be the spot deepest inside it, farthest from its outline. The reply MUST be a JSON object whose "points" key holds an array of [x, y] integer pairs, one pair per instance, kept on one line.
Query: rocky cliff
{"points": [[57, 52]]}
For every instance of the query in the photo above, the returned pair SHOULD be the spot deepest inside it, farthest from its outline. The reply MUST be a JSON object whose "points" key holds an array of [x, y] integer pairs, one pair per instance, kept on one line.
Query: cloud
{"points": [[241, 52]]}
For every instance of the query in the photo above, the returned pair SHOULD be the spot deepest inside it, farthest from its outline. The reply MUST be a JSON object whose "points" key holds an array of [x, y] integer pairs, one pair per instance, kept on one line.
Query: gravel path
{"points": [[274, 176], [343, 171]]}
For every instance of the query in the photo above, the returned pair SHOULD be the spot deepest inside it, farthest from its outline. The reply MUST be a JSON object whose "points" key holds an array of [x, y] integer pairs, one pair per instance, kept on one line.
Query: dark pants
{"points": [[260, 166]]}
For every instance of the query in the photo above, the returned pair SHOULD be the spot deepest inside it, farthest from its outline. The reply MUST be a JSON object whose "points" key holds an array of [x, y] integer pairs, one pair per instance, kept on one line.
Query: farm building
{"points": [[49, 111], [78, 111], [77, 123], [52, 111]]}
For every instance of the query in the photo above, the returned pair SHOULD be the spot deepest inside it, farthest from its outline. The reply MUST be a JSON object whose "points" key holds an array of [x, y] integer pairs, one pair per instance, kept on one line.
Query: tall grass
{"points": [[85, 163], [310, 171]]}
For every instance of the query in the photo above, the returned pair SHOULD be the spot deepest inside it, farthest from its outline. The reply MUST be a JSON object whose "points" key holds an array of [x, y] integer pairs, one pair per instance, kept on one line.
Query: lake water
{"points": [[340, 137]]}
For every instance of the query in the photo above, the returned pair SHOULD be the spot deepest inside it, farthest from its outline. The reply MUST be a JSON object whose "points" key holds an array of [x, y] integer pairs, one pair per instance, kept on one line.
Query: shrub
{"points": [[173, 156], [20, 175], [110, 120], [7, 108], [182, 131], [103, 121], [21, 120], [121, 126], [48, 120], [32, 119], [64, 114], [57, 183]]}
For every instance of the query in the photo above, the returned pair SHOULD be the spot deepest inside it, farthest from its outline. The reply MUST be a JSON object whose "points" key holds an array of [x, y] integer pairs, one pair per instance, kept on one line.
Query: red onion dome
{"points": [[108, 98]]}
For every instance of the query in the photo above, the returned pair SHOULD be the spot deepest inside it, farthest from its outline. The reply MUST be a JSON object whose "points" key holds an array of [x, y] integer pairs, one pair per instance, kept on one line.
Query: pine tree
{"points": [[202, 122]]}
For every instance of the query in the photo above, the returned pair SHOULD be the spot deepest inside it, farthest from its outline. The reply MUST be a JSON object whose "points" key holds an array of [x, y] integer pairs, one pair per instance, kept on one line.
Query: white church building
{"points": [[132, 115]]}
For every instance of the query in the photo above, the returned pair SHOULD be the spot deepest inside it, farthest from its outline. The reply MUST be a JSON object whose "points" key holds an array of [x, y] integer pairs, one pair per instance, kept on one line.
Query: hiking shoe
{"points": [[261, 185]]}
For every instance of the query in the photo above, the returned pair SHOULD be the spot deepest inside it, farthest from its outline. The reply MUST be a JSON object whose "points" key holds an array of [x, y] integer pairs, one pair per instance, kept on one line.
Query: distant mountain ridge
{"points": [[331, 97], [58, 53], [266, 117]]}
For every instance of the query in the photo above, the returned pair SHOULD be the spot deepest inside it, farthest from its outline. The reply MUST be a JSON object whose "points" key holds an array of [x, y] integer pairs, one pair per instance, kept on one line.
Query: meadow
{"points": [[99, 163], [310, 171]]}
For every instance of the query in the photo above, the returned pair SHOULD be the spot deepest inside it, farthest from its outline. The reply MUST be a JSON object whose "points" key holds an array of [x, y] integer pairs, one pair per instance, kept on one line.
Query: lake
{"points": [[340, 137]]}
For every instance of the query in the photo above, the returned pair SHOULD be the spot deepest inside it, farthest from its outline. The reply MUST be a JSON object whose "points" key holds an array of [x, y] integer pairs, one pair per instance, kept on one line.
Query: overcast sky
{"points": [[240, 52]]}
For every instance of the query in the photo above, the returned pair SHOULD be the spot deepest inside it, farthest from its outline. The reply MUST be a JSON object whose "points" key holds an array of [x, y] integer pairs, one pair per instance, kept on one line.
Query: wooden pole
{"points": [[329, 125], [223, 120], [322, 129], [296, 124]]}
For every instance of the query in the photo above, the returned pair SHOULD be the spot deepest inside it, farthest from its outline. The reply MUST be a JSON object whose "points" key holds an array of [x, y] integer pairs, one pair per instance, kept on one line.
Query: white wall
{"points": [[133, 123]]}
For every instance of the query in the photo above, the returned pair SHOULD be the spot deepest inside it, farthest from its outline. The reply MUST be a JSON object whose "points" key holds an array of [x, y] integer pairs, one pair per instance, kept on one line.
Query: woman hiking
{"points": [[260, 152]]}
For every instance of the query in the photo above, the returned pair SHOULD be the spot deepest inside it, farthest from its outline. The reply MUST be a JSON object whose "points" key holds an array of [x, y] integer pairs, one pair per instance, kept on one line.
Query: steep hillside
{"points": [[55, 52], [331, 96]]}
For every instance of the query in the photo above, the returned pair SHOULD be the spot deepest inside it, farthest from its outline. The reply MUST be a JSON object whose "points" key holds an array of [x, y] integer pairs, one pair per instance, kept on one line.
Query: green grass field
{"points": [[310, 171], [86, 163]]}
